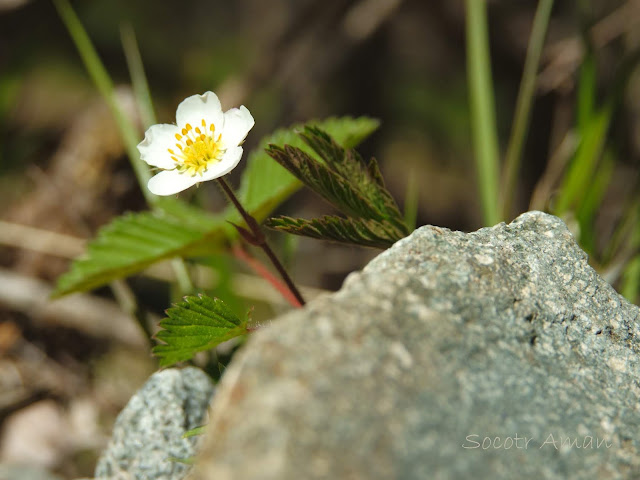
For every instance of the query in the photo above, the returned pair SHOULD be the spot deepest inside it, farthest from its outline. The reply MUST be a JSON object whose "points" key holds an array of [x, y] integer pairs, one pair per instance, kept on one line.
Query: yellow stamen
{"points": [[197, 150]]}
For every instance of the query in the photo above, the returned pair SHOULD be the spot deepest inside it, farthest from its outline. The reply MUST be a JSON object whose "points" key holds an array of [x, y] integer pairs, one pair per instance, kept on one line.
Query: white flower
{"points": [[205, 144]]}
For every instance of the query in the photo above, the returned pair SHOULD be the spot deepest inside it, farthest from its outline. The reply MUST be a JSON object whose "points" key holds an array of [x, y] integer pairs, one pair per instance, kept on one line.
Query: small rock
{"points": [[147, 436]]}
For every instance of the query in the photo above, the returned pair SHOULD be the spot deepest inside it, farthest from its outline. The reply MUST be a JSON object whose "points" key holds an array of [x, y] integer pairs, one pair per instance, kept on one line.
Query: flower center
{"points": [[197, 148]]}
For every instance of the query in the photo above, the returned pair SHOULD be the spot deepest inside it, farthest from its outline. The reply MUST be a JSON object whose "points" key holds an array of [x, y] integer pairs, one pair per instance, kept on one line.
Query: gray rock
{"points": [[443, 340], [148, 432]]}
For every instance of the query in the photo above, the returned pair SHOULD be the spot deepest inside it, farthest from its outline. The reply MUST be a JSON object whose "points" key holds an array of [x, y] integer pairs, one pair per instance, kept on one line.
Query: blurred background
{"points": [[64, 172]]}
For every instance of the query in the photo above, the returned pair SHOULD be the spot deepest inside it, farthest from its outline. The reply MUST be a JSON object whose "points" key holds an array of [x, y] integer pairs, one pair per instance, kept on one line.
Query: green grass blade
{"points": [[103, 83], [483, 120], [627, 251], [593, 197], [593, 138], [523, 104], [586, 90], [624, 230], [411, 200], [138, 77], [597, 189], [585, 161], [630, 288]]}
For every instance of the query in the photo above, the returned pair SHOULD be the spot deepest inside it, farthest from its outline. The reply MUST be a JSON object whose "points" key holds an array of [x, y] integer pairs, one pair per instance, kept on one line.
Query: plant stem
{"points": [[411, 200], [523, 105], [483, 118], [129, 304], [260, 240], [261, 270], [181, 272]]}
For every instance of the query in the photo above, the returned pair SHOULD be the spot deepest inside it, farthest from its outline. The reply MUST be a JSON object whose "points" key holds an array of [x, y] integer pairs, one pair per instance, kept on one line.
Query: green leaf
{"points": [[346, 182], [265, 184], [368, 233], [195, 432], [350, 166], [134, 241], [334, 188], [197, 324]]}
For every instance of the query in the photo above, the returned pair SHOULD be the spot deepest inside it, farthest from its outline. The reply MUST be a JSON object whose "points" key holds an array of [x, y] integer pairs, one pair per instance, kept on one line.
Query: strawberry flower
{"points": [[204, 145]]}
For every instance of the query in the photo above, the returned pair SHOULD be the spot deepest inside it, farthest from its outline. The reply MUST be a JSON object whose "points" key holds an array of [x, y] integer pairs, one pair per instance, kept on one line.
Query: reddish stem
{"points": [[261, 270], [258, 238]]}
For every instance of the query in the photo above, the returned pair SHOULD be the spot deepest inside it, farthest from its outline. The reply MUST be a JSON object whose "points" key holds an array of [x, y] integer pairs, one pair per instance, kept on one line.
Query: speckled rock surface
{"points": [[442, 342], [148, 432]]}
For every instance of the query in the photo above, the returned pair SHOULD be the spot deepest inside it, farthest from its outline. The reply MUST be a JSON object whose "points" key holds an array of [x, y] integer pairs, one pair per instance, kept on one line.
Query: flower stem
{"points": [[260, 240], [261, 270]]}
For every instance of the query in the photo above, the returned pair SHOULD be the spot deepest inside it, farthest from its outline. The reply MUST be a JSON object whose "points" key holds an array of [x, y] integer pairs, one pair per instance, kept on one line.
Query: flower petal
{"points": [[194, 109], [169, 182], [154, 148], [229, 160], [237, 123]]}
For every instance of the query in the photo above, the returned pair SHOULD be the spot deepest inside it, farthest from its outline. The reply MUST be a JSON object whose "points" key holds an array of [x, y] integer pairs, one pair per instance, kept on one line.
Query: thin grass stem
{"points": [[483, 119], [138, 76], [103, 82], [522, 114]]}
